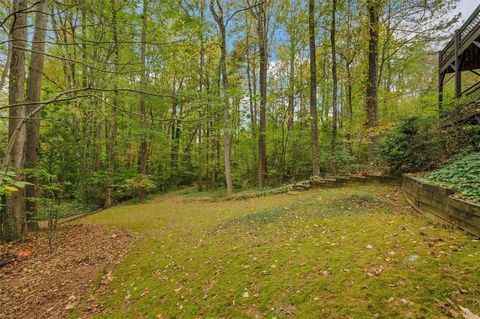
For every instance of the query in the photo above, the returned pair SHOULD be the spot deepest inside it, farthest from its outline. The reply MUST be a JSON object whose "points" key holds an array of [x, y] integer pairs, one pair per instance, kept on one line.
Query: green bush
{"points": [[463, 174], [416, 144], [133, 185]]}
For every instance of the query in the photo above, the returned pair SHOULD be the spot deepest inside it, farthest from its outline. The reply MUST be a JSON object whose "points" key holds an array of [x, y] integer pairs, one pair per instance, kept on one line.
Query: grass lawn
{"points": [[352, 252]]}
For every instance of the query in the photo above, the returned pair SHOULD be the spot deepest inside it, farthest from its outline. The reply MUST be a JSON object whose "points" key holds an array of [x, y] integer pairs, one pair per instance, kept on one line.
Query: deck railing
{"points": [[469, 28]]}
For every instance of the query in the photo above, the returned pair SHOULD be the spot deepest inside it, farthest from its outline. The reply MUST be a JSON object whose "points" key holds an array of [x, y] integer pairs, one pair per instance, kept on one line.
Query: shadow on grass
{"points": [[258, 218]]}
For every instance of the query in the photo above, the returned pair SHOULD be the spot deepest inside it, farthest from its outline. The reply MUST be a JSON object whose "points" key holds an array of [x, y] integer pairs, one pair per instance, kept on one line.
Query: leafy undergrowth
{"points": [[62, 210], [351, 252], [463, 175]]}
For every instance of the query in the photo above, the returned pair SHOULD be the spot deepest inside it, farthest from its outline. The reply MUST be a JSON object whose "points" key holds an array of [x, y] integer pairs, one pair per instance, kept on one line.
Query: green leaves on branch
{"points": [[9, 185]]}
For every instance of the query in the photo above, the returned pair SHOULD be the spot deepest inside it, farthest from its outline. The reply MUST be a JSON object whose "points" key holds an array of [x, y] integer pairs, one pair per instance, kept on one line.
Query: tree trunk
{"points": [[251, 93], [143, 88], [200, 89], [263, 55], [291, 88], [334, 84], [227, 138], [111, 143], [33, 95], [371, 92], [14, 222], [313, 88]]}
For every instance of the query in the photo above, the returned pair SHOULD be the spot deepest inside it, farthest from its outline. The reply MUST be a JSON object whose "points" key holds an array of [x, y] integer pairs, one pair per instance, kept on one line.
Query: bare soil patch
{"points": [[44, 282]]}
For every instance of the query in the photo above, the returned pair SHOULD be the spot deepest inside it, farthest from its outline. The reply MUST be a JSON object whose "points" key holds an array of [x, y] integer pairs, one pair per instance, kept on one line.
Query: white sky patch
{"points": [[466, 7]]}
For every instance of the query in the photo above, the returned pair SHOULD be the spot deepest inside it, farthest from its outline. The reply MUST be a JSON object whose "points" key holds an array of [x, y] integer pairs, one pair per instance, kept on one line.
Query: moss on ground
{"points": [[351, 252]]}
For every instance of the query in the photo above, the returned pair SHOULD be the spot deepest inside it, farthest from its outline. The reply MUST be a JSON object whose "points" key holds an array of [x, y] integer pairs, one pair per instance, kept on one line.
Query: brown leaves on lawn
{"points": [[467, 314], [375, 271], [453, 311], [45, 282]]}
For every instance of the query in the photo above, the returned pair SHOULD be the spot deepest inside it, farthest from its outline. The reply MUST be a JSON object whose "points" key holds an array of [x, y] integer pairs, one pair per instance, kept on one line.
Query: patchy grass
{"points": [[351, 252]]}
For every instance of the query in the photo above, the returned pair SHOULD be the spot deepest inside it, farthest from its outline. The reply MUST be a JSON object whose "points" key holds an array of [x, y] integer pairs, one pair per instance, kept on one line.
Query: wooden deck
{"points": [[465, 44], [462, 54]]}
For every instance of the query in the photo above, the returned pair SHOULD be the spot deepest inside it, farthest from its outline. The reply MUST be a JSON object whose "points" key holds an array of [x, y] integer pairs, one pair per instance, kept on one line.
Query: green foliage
{"points": [[8, 184], [416, 144], [64, 209], [134, 184], [75, 134], [341, 163], [92, 190], [463, 174]]}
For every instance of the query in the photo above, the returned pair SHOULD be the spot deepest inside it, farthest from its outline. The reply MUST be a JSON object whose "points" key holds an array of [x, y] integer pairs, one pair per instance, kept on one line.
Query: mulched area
{"points": [[44, 282]]}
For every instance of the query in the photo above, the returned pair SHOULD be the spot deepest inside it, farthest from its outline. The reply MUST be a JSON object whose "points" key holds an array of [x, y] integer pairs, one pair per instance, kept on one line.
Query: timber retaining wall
{"points": [[437, 201]]}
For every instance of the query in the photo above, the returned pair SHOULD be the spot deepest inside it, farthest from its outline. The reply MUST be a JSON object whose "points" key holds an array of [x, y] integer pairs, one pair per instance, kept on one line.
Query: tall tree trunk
{"points": [[200, 89], [111, 143], [143, 88], [33, 95], [227, 138], [291, 88], [263, 56], [14, 222], [251, 80], [334, 84], [371, 92], [97, 156], [313, 89]]}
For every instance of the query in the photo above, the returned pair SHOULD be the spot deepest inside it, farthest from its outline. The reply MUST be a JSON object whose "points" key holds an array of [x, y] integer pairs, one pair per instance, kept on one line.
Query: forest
{"points": [[118, 102]]}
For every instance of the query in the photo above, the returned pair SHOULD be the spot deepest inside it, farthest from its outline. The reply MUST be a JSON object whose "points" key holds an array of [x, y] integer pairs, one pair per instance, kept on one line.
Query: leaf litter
{"points": [[44, 282]]}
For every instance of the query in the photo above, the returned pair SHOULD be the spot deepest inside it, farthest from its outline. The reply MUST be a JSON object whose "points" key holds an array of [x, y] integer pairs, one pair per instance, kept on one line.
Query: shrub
{"points": [[135, 184], [416, 144]]}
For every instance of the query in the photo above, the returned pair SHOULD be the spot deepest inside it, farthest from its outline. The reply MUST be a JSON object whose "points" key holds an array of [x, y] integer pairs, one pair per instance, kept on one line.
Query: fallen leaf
{"points": [[24, 253], [468, 314], [406, 302]]}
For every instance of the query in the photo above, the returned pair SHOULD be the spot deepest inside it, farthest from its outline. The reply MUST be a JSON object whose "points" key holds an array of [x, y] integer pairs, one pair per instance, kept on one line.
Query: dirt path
{"points": [[52, 281]]}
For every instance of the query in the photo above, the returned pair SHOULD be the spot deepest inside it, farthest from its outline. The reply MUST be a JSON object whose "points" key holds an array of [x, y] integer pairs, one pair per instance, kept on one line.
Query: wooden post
{"points": [[440, 83], [458, 72]]}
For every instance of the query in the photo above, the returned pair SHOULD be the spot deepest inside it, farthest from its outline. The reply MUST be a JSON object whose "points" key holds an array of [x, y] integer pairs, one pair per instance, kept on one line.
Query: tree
{"points": [[371, 104], [33, 95], [227, 139], [313, 89], [112, 129], [14, 222], [200, 90], [258, 10], [334, 79], [143, 87]]}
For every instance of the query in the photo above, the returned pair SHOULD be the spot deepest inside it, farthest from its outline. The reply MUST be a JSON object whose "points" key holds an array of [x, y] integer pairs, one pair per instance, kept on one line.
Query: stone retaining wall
{"points": [[339, 181], [437, 201]]}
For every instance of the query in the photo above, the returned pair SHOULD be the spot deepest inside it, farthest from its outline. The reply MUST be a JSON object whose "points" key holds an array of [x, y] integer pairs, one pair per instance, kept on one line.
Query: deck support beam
{"points": [[441, 77], [458, 72]]}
